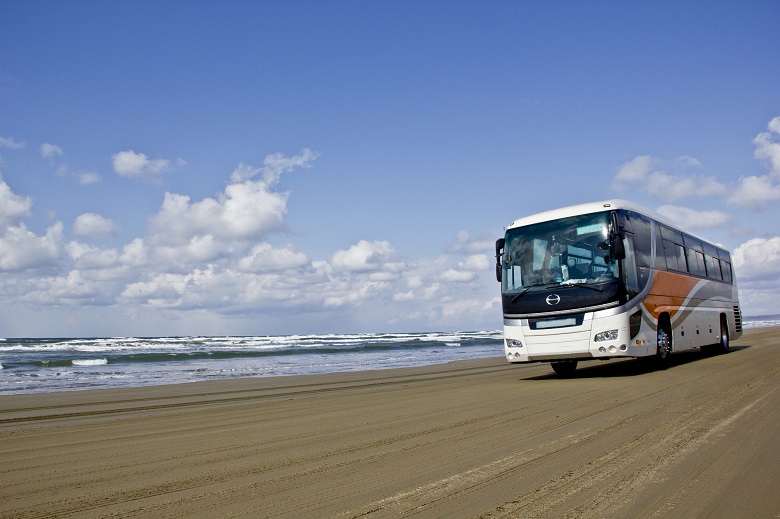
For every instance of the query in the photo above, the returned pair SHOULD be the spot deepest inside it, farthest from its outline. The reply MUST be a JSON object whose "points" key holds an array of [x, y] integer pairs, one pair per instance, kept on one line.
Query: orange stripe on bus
{"points": [[675, 289]]}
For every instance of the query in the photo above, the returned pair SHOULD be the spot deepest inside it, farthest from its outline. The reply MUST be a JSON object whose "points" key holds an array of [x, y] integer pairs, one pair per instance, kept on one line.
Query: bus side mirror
{"points": [[618, 249], [499, 247]]}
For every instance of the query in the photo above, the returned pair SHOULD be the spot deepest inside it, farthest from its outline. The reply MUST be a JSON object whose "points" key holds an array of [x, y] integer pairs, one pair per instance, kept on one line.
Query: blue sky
{"points": [[178, 168]]}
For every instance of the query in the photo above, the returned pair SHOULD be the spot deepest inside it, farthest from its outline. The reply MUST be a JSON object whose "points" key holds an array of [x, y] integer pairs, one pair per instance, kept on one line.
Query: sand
{"points": [[469, 439]]}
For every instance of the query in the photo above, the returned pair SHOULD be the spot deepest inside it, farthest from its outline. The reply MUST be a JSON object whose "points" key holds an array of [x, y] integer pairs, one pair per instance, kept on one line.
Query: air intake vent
{"points": [[737, 318]]}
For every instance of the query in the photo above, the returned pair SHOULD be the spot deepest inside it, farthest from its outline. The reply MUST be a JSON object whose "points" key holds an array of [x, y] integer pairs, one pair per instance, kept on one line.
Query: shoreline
{"points": [[248, 380]]}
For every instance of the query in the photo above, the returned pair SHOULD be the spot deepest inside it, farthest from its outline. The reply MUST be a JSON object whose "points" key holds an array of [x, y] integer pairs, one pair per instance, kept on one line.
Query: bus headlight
{"points": [[514, 343], [611, 335]]}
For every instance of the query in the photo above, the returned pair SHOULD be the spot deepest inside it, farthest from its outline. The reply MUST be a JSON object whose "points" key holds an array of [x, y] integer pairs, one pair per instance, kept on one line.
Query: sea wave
{"points": [[62, 364], [89, 362]]}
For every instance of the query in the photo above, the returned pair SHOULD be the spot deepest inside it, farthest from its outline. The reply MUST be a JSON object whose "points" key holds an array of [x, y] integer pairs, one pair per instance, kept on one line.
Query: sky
{"points": [[296, 167]]}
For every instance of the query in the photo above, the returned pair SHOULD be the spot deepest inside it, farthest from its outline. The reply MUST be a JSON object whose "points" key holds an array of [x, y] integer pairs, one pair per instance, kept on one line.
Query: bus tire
{"points": [[724, 344], [564, 368], [663, 349]]}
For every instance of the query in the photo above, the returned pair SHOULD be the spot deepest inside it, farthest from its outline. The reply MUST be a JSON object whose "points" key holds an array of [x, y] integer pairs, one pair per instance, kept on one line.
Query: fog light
{"points": [[514, 343], [611, 335], [612, 349], [602, 349], [623, 347]]}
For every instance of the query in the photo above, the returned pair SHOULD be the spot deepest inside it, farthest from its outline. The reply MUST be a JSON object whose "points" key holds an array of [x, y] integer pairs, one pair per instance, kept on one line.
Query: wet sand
{"points": [[468, 439]]}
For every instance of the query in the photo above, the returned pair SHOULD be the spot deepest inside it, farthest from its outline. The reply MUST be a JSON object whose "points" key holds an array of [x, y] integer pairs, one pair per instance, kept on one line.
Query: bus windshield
{"points": [[567, 251]]}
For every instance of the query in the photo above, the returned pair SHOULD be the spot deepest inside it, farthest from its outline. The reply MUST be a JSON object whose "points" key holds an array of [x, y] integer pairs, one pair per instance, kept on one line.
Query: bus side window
{"points": [[695, 262], [682, 263], [726, 268], [713, 267], [711, 261], [671, 255]]}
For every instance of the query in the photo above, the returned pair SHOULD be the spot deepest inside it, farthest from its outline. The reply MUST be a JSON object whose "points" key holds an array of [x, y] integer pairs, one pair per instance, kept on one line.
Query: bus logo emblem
{"points": [[553, 299]]}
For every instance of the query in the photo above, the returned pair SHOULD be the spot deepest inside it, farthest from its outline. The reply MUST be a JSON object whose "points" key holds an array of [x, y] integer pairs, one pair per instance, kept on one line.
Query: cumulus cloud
{"points": [[265, 258], [133, 165], [367, 256], [12, 206], [11, 143], [21, 249], [768, 146], [243, 211], [758, 191], [214, 257], [93, 225], [651, 176], [758, 259], [466, 270], [693, 219]]}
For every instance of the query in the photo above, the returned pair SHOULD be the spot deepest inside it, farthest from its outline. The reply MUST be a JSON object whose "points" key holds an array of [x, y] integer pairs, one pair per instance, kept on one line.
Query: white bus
{"points": [[612, 279]]}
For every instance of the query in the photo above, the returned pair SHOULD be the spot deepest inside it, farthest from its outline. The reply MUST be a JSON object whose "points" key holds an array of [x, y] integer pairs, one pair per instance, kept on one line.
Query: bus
{"points": [[608, 280]]}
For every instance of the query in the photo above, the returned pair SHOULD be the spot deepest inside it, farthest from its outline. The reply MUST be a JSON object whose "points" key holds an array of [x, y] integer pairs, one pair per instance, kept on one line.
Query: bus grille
{"points": [[737, 318]]}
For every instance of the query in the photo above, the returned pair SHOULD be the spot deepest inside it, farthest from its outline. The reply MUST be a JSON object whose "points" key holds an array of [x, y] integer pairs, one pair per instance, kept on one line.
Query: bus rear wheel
{"points": [[564, 368], [724, 345]]}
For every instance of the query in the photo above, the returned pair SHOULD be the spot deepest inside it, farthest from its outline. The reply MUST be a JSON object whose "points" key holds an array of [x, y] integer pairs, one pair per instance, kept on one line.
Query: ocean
{"points": [[46, 365]]}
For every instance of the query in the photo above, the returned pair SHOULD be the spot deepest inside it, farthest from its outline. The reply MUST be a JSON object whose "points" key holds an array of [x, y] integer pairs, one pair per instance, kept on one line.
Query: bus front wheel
{"points": [[664, 346], [564, 368]]}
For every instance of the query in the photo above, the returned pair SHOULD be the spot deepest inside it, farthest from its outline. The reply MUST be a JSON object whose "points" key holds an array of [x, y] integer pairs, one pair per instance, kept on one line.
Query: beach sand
{"points": [[469, 439]]}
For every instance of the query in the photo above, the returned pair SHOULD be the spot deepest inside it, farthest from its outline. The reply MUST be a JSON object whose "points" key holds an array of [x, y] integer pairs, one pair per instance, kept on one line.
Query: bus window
{"points": [[682, 263], [725, 267], [671, 235], [671, 255], [696, 262], [713, 267]]}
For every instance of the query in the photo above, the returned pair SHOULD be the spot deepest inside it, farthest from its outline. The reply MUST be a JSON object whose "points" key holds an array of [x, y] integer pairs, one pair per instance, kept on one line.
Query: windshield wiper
{"points": [[526, 289]]}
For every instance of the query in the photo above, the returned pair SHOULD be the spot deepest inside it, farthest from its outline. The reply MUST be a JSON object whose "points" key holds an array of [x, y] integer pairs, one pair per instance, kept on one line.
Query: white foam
{"points": [[89, 362]]}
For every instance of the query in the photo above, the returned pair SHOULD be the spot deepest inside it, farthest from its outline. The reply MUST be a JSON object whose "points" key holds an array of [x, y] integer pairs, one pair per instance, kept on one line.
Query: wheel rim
{"points": [[664, 345]]}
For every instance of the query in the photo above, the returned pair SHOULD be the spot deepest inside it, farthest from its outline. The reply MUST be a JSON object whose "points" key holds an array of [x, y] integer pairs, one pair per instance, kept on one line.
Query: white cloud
{"points": [[273, 166], [755, 192], [453, 275], [264, 258], [758, 191], [367, 256], [212, 258], [21, 249], [768, 146], [466, 244], [246, 210], [50, 150], [93, 225], [757, 269], [758, 259], [693, 219], [130, 164], [12, 207], [648, 175], [11, 143]]}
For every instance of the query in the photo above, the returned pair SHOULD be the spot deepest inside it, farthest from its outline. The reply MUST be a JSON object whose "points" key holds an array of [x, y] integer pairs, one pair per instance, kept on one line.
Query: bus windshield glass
{"points": [[567, 251]]}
